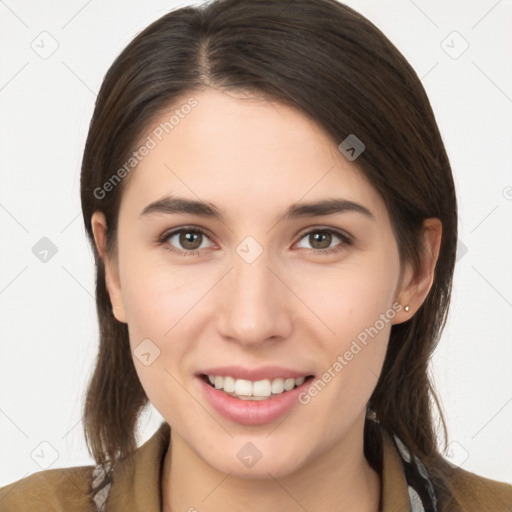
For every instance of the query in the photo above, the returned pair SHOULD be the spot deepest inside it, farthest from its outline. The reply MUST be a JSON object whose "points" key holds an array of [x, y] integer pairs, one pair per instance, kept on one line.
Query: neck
{"points": [[340, 479]]}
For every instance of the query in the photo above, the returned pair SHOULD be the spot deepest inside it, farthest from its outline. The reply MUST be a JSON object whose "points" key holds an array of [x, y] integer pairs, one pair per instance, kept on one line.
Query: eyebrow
{"points": [[174, 204]]}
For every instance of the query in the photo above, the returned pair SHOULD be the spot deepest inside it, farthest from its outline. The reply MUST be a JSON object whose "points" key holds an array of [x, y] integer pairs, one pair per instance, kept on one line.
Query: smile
{"points": [[254, 390]]}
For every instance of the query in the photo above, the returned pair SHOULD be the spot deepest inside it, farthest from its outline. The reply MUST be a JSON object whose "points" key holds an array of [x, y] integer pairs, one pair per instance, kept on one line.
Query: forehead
{"points": [[242, 152]]}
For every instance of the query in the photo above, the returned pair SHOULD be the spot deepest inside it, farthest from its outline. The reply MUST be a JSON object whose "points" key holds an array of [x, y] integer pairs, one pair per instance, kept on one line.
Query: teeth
{"points": [[289, 384], [254, 390], [242, 387], [218, 382], [277, 386], [229, 384], [262, 388]]}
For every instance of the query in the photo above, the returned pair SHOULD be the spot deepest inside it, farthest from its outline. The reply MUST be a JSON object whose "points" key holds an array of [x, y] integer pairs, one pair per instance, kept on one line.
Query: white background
{"points": [[48, 328]]}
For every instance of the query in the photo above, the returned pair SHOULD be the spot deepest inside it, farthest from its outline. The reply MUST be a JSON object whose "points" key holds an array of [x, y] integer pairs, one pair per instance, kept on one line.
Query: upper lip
{"points": [[254, 374]]}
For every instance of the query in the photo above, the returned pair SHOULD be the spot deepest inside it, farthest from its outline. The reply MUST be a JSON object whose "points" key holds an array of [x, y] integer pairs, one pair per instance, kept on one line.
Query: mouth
{"points": [[264, 389], [253, 396]]}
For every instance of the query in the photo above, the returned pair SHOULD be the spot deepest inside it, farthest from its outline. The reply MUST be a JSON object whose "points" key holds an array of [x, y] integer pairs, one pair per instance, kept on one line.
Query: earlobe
{"points": [[99, 229], [416, 283]]}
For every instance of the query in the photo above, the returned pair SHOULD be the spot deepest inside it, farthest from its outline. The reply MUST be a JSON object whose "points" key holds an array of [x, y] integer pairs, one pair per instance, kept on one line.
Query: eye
{"points": [[321, 239], [185, 241]]}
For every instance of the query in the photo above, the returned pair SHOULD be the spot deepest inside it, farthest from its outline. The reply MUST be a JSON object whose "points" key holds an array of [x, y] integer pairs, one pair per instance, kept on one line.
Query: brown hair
{"points": [[338, 68]]}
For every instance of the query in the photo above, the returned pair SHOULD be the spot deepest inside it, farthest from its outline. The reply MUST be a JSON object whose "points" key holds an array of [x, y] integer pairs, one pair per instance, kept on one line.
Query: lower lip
{"points": [[252, 412]]}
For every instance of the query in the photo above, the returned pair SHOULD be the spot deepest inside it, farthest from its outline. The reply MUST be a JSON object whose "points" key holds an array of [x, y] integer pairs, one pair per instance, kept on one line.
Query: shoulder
{"points": [[475, 493], [55, 490], [134, 481]]}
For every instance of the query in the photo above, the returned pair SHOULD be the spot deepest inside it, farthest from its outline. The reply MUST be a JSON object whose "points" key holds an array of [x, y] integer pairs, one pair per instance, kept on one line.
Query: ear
{"points": [[99, 229], [416, 283]]}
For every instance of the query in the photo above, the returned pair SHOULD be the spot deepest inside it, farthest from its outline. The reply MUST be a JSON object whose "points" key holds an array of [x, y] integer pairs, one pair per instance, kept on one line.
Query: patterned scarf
{"points": [[421, 490]]}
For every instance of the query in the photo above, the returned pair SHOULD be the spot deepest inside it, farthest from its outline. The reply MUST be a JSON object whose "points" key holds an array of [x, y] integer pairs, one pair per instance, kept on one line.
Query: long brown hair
{"points": [[338, 68]]}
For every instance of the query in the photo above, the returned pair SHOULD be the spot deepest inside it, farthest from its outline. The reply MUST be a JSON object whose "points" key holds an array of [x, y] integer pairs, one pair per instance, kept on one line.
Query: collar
{"points": [[136, 480]]}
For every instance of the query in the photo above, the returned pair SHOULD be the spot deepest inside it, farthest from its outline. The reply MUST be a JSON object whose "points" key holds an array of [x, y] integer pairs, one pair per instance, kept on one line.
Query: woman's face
{"points": [[249, 288]]}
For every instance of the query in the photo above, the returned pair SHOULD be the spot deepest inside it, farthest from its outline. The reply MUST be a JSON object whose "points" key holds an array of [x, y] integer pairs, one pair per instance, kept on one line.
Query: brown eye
{"points": [[321, 240], [185, 241], [189, 240]]}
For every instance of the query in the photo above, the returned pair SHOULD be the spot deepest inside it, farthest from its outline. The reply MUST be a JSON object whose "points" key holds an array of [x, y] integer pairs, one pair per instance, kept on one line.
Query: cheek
{"points": [[360, 315], [158, 312], [356, 310], [156, 295], [163, 309], [350, 299]]}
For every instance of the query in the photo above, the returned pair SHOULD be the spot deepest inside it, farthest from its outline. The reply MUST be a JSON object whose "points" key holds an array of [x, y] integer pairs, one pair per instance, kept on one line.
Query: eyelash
{"points": [[345, 240]]}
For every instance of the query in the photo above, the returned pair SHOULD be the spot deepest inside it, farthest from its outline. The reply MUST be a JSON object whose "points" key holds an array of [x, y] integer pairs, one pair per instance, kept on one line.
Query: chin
{"points": [[253, 463]]}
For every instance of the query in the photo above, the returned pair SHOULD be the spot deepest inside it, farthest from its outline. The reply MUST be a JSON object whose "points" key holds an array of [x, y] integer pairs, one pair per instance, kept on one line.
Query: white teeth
{"points": [[262, 388], [254, 390], [277, 386], [300, 381], [243, 387], [229, 384], [289, 384]]}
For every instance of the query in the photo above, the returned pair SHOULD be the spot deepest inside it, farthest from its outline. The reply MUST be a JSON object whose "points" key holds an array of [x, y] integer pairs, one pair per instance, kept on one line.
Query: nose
{"points": [[255, 305]]}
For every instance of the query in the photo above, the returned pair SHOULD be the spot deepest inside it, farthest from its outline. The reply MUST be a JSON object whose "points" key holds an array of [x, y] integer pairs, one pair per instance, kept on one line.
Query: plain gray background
{"points": [[54, 56]]}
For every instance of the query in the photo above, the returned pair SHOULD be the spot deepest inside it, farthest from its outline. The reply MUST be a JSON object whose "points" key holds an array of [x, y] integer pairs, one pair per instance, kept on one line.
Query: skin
{"points": [[291, 307]]}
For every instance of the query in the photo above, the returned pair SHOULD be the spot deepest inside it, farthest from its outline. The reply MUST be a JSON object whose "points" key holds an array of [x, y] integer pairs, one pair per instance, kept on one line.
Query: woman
{"points": [[286, 347]]}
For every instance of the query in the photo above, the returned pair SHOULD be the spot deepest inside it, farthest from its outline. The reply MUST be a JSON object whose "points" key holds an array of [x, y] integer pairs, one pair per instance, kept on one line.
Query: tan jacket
{"points": [[136, 486]]}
